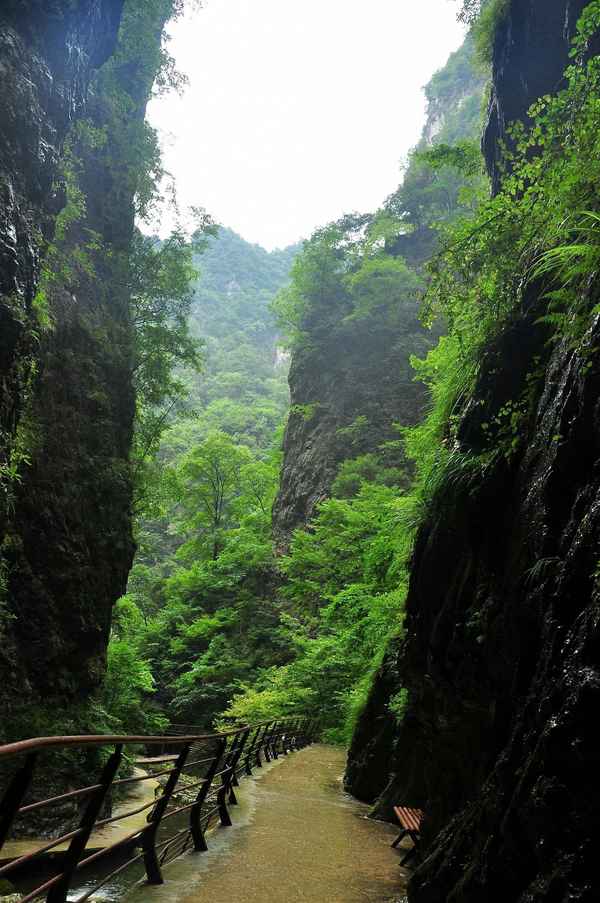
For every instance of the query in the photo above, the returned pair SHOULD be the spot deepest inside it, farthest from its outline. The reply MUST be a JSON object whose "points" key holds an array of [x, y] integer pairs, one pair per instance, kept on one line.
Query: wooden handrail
{"points": [[234, 753], [37, 743]]}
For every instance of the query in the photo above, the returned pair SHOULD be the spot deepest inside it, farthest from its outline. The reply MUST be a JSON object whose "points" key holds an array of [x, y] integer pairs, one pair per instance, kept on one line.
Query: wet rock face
{"points": [[367, 769], [510, 651], [65, 536], [47, 54], [530, 56], [361, 370], [502, 651]]}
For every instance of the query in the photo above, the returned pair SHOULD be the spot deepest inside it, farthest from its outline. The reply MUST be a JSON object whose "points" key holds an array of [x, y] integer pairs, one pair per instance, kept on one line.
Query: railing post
{"points": [[196, 813], [309, 730], [278, 745], [226, 792], [261, 745], [222, 792], [302, 738], [267, 740], [250, 751], [288, 741], [272, 741], [292, 738], [233, 762], [305, 728], [14, 796], [58, 893], [227, 777], [284, 738], [151, 863], [276, 741], [223, 810], [281, 739]]}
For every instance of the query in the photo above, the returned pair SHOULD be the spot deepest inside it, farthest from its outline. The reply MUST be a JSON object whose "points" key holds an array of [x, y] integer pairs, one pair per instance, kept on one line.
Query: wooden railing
{"points": [[214, 762]]}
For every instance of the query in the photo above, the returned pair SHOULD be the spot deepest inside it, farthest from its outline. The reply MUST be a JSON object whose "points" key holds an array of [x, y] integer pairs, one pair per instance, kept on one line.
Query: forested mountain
{"points": [[199, 617], [211, 610], [242, 387]]}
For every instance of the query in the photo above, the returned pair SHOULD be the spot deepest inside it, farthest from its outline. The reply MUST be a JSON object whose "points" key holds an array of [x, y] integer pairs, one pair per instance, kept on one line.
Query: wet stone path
{"points": [[296, 837]]}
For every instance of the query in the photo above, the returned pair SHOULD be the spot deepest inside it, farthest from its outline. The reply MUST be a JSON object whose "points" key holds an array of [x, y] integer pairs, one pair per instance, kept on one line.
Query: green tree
{"points": [[210, 482]]}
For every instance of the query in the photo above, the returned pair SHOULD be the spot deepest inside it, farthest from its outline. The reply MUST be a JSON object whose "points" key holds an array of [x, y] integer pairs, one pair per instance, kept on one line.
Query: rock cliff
{"points": [[359, 370], [353, 370], [67, 406], [500, 656], [48, 53]]}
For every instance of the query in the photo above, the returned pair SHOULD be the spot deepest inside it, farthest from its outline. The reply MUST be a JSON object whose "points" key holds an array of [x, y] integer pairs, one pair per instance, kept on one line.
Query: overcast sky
{"points": [[298, 111]]}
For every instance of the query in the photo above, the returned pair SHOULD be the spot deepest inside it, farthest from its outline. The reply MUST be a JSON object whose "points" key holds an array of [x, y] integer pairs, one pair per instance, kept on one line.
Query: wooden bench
{"points": [[410, 820]]}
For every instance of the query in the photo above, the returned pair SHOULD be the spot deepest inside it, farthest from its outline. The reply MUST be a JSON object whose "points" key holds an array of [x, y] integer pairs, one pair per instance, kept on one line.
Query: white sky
{"points": [[298, 110]]}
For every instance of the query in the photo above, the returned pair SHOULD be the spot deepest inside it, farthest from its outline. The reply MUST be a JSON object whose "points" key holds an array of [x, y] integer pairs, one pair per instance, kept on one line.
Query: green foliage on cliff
{"points": [[65, 514], [91, 254], [543, 228], [540, 231], [344, 274]]}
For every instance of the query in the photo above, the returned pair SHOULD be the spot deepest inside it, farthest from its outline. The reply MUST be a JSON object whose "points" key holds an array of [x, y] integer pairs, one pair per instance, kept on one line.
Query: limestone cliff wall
{"points": [[48, 53], [501, 651], [67, 406], [360, 369]]}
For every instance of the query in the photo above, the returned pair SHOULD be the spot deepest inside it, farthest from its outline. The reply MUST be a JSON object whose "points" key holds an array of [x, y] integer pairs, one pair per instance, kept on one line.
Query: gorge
{"points": [[407, 543]]}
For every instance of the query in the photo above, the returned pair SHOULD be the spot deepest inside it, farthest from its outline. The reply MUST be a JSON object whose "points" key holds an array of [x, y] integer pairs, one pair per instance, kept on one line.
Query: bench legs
{"points": [[413, 850], [400, 837]]}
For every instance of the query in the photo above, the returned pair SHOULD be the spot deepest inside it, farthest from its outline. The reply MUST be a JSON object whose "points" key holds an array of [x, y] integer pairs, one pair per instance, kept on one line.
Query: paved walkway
{"points": [[297, 838]]}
